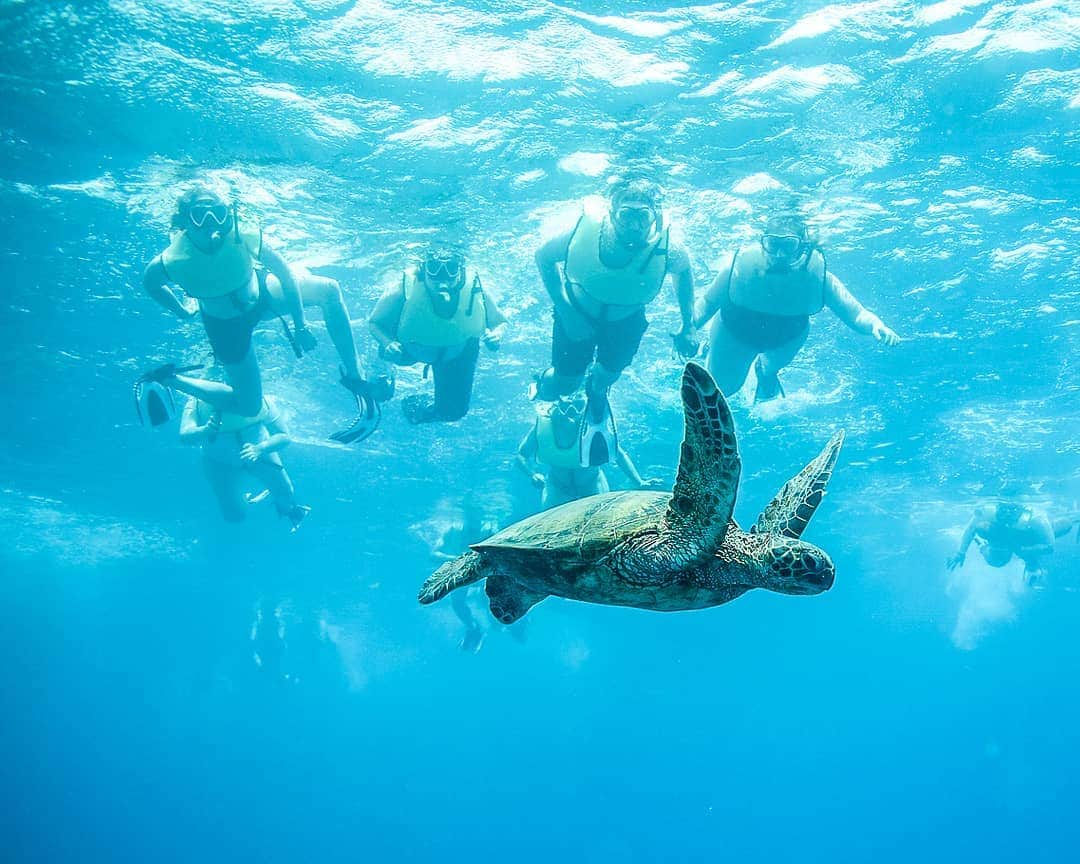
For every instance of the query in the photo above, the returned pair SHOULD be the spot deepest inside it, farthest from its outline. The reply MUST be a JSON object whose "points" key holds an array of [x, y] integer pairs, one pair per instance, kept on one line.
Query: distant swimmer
{"points": [[552, 446], [236, 281], [237, 449], [1007, 529], [455, 540], [601, 275], [439, 315], [766, 294]]}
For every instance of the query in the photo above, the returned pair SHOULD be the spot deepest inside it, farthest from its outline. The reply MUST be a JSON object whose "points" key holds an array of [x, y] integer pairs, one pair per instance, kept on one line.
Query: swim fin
{"points": [[599, 437], [368, 416], [768, 386]]}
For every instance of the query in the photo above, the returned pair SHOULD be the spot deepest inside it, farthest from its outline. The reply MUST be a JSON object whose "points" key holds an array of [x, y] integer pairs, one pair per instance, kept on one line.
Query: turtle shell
{"points": [[584, 530]]}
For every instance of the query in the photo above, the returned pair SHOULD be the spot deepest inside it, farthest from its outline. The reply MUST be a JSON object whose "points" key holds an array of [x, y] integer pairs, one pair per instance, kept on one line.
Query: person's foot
{"points": [[768, 384], [380, 388], [296, 516], [418, 409], [256, 497]]}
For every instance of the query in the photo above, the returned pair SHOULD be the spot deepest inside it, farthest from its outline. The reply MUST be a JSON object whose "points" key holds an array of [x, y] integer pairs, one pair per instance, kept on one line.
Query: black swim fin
{"points": [[599, 440], [364, 424], [768, 386]]}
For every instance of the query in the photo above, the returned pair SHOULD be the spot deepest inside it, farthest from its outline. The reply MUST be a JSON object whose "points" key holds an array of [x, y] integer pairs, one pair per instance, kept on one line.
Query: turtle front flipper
{"points": [[698, 514], [463, 570], [789, 512], [509, 599]]}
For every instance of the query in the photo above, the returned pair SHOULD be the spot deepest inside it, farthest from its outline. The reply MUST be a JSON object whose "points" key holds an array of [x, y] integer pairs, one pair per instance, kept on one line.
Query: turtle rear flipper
{"points": [[790, 511], [463, 570], [509, 599], [701, 504]]}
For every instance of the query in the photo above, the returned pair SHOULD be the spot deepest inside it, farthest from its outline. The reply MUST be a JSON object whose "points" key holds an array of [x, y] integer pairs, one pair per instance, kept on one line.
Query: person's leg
{"points": [[569, 361], [728, 360], [617, 345], [775, 359], [454, 383], [224, 483], [324, 293], [241, 395], [271, 472]]}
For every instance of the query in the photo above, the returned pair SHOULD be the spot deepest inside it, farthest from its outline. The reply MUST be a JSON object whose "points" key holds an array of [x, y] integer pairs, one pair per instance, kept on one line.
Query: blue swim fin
{"points": [[599, 438]]}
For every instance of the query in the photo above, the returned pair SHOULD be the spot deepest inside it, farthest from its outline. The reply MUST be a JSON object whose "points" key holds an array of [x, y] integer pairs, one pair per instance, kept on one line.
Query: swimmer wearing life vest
{"points": [[766, 294], [601, 276], [438, 315], [1009, 528], [235, 280], [549, 455], [237, 448]]}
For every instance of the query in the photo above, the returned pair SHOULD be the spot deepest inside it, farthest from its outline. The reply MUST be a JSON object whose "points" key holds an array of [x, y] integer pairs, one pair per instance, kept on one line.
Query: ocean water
{"points": [[179, 689]]}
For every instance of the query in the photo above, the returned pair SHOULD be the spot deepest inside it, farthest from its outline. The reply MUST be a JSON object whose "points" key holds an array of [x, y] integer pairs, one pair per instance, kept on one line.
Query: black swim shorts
{"points": [[614, 344]]}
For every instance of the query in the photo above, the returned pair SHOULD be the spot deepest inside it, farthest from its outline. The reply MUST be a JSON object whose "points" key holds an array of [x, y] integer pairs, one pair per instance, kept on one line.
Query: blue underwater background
{"points": [[179, 689]]}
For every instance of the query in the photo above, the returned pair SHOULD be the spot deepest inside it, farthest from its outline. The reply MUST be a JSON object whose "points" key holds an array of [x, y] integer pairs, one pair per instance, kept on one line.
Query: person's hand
{"points": [[251, 452], [492, 339], [885, 335], [393, 352], [574, 324], [955, 561], [305, 339], [538, 480], [686, 342], [190, 309]]}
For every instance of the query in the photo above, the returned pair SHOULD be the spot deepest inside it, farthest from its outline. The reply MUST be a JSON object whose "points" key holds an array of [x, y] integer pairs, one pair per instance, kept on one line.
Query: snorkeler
{"points": [[1007, 529], [455, 540], [439, 316], [553, 444], [600, 277], [235, 448], [766, 294], [237, 281]]}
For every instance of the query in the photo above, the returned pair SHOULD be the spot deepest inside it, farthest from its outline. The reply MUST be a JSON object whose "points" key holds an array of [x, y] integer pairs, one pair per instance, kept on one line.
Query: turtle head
{"points": [[794, 567]]}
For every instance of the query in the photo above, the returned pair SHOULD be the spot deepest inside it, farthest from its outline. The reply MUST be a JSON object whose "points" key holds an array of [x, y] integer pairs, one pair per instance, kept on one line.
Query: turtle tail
{"points": [[463, 570]]}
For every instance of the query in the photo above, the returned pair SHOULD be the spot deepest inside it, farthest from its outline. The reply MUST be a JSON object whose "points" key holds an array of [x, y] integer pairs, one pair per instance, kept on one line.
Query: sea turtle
{"points": [[656, 550]]}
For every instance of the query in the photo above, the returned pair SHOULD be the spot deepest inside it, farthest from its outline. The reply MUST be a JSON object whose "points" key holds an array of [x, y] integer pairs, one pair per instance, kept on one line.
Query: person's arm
{"points": [[849, 310], [155, 283], [526, 459], [495, 324], [278, 439], [709, 304], [977, 522], [682, 277], [385, 318], [294, 303], [191, 431], [549, 256], [626, 465]]}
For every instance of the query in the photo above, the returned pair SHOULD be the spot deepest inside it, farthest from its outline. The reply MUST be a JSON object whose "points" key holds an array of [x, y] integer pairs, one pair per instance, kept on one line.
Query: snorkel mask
{"points": [[443, 271], [635, 212], [442, 266], [206, 213], [784, 241]]}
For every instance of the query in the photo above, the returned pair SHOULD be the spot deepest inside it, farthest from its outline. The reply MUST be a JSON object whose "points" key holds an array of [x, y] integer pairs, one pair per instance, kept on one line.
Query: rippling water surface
{"points": [[184, 690]]}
